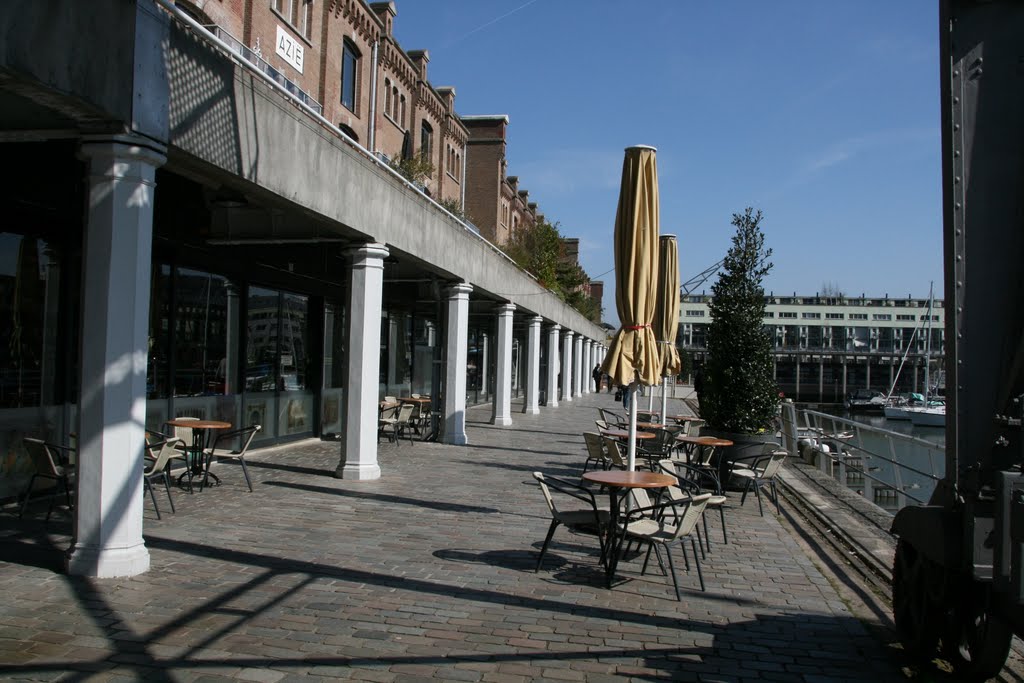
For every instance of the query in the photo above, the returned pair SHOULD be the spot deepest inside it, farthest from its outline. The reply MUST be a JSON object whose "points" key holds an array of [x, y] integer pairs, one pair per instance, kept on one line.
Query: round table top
{"points": [[200, 424], [630, 480], [624, 434], [410, 399], [651, 425], [704, 440]]}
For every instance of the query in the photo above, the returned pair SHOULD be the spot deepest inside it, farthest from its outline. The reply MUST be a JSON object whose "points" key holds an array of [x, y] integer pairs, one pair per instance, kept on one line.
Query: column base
{"points": [[501, 421], [107, 563], [455, 439], [357, 472], [532, 410]]}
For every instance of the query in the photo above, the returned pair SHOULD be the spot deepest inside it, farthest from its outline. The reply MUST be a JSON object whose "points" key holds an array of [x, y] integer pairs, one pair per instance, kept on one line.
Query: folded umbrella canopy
{"points": [[633, 355], [666, 313]]}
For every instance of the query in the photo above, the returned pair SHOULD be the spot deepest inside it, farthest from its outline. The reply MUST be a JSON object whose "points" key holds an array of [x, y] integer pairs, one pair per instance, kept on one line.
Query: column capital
{"points": [[370, 255], [569, 334], [505, 309], [127, 145], [536, 320], [458, 290], [555, 327]]}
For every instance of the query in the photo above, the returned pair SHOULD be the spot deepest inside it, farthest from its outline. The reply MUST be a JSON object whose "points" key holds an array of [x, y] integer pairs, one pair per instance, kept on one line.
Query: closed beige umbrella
{"points": [[666, 314], [633, 355]]}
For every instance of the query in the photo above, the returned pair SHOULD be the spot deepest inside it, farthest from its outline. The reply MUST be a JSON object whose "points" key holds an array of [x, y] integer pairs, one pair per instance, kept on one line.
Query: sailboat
{"points": [[899, 407], [933, 412]]}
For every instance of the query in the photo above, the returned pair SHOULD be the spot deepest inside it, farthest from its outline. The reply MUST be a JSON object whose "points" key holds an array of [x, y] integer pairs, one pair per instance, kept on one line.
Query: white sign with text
{"points": [[289, 49]]}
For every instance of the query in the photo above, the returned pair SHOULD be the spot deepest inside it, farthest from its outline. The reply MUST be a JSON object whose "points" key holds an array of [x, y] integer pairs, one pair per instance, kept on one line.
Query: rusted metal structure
{"points": [[958, 579]]}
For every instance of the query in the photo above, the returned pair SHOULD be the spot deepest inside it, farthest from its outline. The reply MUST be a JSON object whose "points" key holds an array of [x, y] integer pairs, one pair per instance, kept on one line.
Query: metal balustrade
{"points": [[888, 468]]}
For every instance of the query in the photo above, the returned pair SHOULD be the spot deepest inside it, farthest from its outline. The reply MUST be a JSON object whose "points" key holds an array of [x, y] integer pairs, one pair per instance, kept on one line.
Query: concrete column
{"points": [[362, 372], [577, 373], [567, 368], [553, 363], [532, 403], [117, 257], [501, 411], [456, 350]]}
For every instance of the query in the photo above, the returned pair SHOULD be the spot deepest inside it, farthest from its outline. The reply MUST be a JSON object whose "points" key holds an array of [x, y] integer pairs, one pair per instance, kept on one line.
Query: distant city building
{"points": [[826, 347]]}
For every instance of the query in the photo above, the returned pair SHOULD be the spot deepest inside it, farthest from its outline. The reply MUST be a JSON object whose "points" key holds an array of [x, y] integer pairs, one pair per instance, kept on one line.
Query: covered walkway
{"points": [[426, 574]]}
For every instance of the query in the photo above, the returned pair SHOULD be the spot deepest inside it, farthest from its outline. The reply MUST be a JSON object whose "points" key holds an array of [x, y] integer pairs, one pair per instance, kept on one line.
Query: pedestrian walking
{"points": [[597, 379]]}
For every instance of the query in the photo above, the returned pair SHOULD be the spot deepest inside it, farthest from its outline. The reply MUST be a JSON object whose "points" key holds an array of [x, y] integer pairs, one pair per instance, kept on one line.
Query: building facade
{"points": [[201, 225], [825, 348]]}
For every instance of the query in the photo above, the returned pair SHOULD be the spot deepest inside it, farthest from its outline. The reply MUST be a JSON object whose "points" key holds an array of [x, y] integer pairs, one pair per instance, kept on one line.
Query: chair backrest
{"points": [[248, 434], [773, 463], [611, 449], [594, 448], [405, 412], [547, 493], [414, 395], [602, 425], [688, 478], [693, 427], [161, 452], [610, 416], [43, 458], [184, 433], [691, 514], [391, 399]]}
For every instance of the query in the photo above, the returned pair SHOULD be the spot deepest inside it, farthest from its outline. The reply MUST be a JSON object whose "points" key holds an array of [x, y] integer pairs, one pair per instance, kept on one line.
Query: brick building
{"points": [[363, 81]]}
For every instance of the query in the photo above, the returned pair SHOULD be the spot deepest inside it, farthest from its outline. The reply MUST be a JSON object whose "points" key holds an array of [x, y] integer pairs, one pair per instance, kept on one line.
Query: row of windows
{"points": [[454, 161], [815, 315], [394, 103], [298, 14]]}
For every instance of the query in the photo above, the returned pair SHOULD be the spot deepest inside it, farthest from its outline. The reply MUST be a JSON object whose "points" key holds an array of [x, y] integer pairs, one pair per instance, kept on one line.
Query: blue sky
{"points": [[823, 114]]}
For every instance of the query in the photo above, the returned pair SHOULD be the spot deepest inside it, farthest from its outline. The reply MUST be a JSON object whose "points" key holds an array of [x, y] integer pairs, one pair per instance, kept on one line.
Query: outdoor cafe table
{"points": [[624, 434], [199, 428], [616, 480]]}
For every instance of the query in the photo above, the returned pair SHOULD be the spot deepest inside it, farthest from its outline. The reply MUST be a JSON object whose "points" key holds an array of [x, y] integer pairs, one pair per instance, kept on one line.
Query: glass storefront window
{"points": [[201, 334], [29, 293]]}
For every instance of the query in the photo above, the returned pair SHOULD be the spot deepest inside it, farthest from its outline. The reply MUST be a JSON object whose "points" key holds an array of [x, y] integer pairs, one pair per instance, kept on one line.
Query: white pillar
{"points": [[362, 372], [567, 368], [588, 367], [553, 363], [577, 374], [485, 363], [117, 260], [457, 327], [532, 403], [501, 411]]}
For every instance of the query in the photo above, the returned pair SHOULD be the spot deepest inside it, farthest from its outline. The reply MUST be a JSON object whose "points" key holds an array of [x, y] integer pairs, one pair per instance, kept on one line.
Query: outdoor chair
{"points": [[595, 452], [691, 480], [756, 471], [222, 448], [394, 427], [663, 524], [613, 450], [612, 417], [587, 519], [661, 446], [158, 457], [693, 427], [51, 463], [604, 425]]}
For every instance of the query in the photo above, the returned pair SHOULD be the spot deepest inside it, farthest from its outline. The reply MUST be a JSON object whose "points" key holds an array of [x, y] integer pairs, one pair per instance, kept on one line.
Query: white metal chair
{"points": [[222, 449], [589, 519], [757, 470], [158, 456]]}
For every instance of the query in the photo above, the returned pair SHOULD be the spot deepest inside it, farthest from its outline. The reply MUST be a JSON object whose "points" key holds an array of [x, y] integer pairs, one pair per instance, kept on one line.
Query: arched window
{"points": [[387, 96], [349, 74], [426, 140], [401, 114]]}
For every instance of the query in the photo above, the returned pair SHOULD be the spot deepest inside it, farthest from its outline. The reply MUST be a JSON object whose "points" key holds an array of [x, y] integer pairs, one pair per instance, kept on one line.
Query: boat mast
{"points": [[928, 345]]}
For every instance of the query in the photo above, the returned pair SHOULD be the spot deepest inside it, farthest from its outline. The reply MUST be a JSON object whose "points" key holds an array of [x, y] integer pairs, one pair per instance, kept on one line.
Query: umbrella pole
{"points": [[631, 451], [664, 400]]}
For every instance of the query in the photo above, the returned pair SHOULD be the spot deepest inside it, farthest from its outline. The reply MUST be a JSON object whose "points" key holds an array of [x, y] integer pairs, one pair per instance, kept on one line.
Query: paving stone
{"points": [[425, 574]]}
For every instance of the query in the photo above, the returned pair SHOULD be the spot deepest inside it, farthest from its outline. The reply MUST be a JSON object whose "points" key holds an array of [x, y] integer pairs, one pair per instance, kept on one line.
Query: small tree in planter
{"points": [[739, 395]]}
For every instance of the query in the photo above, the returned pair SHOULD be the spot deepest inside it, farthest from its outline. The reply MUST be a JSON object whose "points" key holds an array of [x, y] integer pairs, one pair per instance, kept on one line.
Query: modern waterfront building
{"points": [[199, 222], [827, 347]]}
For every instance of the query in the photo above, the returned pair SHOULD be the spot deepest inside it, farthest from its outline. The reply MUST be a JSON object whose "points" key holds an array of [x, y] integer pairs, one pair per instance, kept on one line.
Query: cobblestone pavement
{"points": [[424, 574]]}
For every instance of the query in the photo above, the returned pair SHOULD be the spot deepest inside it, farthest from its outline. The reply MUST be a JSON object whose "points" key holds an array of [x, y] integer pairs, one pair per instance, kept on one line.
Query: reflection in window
{"points": [[201, 335], [158, 370], [29, 295], [349, 69]]}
